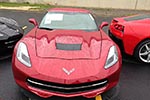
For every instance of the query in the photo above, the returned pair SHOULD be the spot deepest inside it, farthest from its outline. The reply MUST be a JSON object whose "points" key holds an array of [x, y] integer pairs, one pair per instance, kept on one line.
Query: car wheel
{"points": [[29, 96], [112, 94], [20, 95], [142, 53]]}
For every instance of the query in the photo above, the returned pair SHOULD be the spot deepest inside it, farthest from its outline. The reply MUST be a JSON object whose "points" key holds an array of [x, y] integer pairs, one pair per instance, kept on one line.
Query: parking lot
{"points": [[134, 79]]}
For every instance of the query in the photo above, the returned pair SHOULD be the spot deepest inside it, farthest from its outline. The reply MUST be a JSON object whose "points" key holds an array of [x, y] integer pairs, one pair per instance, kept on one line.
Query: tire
{"points": [[21, 95], [30, 96], [112, 94], [142, 52], [26, 94]]}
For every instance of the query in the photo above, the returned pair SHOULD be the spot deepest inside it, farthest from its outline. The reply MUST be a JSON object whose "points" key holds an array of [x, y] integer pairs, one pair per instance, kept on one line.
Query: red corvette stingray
{"points": [[133, 35], [67, 55]]}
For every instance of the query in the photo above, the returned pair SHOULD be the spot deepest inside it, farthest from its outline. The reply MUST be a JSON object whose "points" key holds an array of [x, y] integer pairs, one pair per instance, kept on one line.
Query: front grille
{"points": [[66, 88]]}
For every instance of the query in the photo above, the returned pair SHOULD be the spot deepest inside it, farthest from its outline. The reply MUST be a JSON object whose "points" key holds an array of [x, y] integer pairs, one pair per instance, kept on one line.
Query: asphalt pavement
{"points": [[134, 79]]}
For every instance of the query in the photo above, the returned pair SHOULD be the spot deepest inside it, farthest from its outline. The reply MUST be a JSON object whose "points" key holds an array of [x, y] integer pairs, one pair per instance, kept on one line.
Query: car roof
{"points": [[76, 10]]}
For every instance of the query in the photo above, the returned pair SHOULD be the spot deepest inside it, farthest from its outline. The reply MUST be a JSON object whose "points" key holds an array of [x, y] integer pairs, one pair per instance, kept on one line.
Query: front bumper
{"points": [[66, 89], [33, 96], [21, 80], [110, 94]]}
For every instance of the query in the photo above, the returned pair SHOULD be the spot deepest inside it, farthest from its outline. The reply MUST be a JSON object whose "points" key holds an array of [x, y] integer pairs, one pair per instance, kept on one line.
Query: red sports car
{"points": [[133, 35], [66, 55]]}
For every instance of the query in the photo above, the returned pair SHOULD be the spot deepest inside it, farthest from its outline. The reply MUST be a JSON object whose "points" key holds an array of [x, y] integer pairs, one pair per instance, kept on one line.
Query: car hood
{"points": [[9, 30], [68, 44]]}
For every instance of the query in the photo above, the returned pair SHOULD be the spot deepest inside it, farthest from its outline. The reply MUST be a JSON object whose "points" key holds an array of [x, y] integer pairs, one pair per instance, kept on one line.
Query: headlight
{"points": [[22, 54], [112, 57]]}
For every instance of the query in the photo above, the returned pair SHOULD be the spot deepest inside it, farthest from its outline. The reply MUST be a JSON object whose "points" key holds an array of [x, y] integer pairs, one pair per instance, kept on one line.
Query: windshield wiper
{"points": [[46, 28]]}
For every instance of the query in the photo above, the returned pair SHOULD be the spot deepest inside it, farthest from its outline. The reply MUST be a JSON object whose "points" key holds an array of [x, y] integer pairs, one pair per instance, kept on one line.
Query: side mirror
{"points": [[33, 21], [103, 25]]}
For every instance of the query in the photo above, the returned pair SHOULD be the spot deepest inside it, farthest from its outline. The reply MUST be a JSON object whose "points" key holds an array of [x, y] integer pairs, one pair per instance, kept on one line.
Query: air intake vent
{"points": [[66, 88], [69, 47]]}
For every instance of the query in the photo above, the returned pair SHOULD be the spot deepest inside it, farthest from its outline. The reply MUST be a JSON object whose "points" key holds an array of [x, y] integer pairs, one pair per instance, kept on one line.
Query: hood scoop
{"points": [[68, 43], [69, 47]]}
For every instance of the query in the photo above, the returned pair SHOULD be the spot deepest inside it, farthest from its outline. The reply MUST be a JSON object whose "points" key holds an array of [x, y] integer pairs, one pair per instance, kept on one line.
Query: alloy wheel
{"points": [[144, 52]]}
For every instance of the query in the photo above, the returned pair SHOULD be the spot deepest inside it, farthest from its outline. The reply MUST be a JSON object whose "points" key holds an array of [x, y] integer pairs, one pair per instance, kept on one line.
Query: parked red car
{"points": [[133, 35], [67, 55]]}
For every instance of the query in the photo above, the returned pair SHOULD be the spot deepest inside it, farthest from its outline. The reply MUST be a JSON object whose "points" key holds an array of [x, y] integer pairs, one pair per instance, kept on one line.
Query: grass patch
{"points": [[33, 6]]}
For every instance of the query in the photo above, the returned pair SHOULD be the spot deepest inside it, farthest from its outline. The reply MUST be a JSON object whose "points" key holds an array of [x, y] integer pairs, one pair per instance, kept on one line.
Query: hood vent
{"points": [[68, 47]]}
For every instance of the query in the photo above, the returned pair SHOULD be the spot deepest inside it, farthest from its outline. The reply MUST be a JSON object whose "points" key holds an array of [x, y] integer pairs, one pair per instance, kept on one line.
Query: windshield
{"points": [[69, 21]]}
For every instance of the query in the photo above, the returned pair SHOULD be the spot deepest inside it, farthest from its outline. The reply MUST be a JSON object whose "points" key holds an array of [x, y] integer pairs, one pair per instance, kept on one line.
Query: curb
{"points": [[19, 8]]}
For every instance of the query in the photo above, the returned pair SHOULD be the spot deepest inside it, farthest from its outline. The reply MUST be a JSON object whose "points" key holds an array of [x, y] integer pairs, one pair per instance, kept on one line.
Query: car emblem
{"points": [[68, 72]]}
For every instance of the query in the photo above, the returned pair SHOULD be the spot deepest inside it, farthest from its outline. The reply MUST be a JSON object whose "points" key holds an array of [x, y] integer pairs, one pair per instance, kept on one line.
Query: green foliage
{"points": [[33, 6]]}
